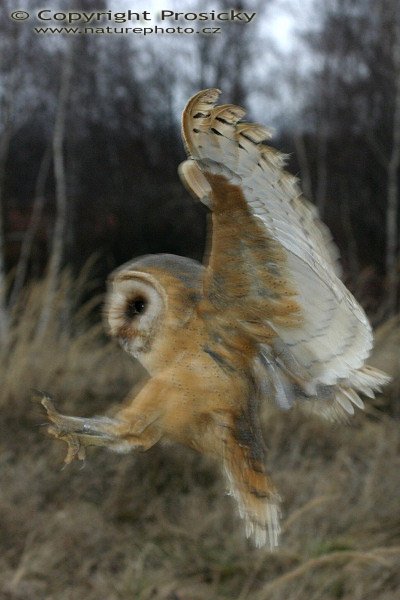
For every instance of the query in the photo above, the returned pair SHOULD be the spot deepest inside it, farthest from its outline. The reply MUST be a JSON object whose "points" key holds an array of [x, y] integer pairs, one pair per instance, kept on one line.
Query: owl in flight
{"points": [[266, 316]]}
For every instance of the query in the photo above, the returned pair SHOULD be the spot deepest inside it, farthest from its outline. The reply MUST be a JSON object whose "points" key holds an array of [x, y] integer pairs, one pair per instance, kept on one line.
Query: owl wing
{"points": [[273, 267]]}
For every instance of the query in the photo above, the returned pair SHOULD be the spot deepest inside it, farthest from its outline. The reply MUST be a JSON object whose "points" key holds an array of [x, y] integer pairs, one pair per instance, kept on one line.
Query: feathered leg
{"points": [[243, 460], [116, 434]]}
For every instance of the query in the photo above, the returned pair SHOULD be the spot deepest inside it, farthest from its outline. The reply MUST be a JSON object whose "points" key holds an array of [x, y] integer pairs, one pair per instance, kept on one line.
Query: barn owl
{"points": [[265, 316]]}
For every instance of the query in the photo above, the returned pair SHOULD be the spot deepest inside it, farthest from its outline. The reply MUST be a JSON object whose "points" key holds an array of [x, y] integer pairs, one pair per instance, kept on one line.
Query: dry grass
{"points": [[70, 357], [386, 356], [157, 525]]}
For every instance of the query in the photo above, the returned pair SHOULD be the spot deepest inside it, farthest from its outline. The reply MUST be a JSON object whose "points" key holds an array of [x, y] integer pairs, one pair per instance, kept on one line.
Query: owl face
{"points": [[151, 302], [135, 310]]}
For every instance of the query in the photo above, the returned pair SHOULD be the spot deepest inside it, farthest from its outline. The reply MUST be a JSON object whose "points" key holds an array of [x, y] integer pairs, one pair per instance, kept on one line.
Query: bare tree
{"points": [[59, 232], [4, 150], [392, 212], [27, 242], [322, 169], [301, 154]]}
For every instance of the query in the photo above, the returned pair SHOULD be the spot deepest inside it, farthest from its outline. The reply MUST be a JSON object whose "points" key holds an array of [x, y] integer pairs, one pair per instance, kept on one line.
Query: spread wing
{"points": [[273, 266]]}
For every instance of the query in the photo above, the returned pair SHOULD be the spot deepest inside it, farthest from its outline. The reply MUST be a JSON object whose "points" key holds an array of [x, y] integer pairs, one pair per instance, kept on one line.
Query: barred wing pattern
{"points": [[324, 355]]}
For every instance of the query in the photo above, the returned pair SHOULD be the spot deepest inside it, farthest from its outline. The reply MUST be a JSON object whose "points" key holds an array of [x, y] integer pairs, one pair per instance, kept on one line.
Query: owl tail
{"points": [[254, 492]]}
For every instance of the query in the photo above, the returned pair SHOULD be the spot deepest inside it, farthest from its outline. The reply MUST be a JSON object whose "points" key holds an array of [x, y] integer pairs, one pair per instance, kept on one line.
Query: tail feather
{"points": [[368, 380], [288, 385], [353, 397]]}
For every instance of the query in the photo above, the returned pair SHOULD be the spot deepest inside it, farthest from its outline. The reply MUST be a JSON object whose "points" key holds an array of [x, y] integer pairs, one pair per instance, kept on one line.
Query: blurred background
{"points": [[89, 149]]}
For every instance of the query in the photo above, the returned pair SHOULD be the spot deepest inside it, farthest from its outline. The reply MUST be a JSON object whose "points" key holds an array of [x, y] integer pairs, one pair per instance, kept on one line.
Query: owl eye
{"points": [[135, 307]]}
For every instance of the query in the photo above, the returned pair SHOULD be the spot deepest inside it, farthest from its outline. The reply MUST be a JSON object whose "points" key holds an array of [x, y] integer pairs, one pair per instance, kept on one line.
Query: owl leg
{"points": [[115, 434], [242, 454]]}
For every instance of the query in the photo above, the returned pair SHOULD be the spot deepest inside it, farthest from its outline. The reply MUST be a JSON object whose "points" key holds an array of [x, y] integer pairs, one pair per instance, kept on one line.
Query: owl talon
{"points": [[59, 428], [75, 449], [80, 432]]}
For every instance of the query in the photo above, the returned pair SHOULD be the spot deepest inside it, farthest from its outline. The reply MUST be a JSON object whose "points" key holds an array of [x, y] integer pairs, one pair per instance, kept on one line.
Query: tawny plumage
{"points": [[267, 315]]}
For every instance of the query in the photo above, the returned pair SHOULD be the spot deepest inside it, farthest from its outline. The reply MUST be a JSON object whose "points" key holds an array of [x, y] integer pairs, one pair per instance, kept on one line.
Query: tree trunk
{"points": [[392, 212], [322, 170], [27, 242], [301, 153], [4, 149], [59, 232]]}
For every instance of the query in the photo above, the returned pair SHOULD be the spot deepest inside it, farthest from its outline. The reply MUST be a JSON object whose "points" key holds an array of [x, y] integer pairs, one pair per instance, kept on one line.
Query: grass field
{"points": [[158, 525]]}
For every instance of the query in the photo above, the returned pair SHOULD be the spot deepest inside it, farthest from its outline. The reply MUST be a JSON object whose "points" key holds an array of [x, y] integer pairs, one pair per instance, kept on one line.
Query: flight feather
{"points": [[330, 341]]}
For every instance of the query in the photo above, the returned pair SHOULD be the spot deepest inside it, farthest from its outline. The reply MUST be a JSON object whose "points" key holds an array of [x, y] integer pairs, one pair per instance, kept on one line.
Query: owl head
{"points": [[149, 302]]}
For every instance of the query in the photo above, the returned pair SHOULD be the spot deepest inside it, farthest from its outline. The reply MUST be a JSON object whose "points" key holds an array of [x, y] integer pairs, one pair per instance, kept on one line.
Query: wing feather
{"points": [[333, 338]]}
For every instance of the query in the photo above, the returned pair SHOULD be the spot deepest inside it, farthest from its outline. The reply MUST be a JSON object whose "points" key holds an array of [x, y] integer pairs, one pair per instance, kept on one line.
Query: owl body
{"points": [[266, 316], [181, 354]]}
